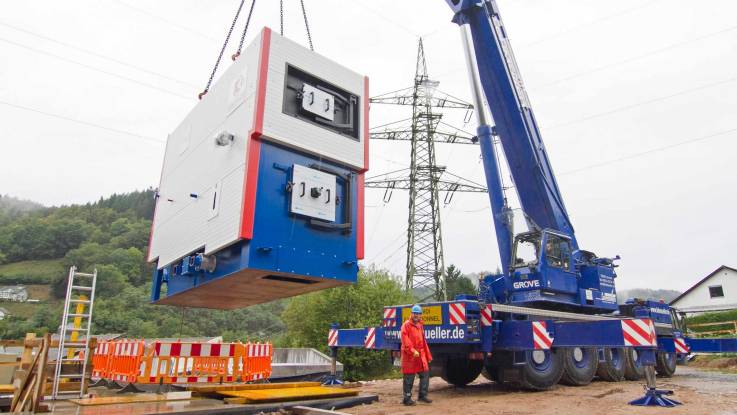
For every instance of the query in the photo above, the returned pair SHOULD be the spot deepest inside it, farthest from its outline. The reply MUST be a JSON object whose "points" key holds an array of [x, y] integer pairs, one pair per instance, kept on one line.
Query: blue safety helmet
{"points": [[416, 309]]}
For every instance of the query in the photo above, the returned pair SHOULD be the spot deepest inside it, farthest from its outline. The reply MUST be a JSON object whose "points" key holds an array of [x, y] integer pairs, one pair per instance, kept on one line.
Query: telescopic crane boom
{"points": [[558, 271]]}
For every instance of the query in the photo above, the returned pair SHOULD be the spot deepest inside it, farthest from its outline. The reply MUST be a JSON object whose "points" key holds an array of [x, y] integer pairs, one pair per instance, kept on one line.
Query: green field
{"points": [[31, 272]]}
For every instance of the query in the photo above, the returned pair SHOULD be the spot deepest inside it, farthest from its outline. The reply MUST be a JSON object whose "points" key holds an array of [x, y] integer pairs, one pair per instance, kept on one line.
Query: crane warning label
{"points": [[431, 315]]}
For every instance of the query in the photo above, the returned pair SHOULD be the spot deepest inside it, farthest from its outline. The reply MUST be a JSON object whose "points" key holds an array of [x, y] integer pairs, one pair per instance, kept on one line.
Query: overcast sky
{"points": [[637, 102]]}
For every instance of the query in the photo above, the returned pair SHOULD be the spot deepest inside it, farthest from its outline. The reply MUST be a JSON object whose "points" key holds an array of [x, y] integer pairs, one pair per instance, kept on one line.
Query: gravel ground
{"points": [[701, 392]]}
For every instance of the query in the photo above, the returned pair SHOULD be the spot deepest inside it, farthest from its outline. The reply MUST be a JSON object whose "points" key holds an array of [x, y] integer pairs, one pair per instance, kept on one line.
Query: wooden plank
{"points": [[289, 394], [41, 373], [249, 386], [137, 398], [6, 388], [306, 410], [63, 387], [23, 375]]}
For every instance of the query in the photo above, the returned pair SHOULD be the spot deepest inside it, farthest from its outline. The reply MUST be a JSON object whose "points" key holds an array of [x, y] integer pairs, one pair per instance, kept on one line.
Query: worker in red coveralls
{"points": [[416, 357]]}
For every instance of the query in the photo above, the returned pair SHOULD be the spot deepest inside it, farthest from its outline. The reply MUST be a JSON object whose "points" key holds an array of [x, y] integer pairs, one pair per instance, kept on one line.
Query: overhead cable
{"points": [[82, 122], [84, 65]]}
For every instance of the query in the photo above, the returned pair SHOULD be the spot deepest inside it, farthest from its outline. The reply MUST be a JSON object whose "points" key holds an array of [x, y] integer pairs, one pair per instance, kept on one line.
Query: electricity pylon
{"points": [[424, 179]]}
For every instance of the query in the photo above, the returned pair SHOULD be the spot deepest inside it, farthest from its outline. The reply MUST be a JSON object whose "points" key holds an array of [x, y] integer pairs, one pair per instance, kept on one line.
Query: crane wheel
{"points": [[611, 366], [579, 365], [665, 364], [533, 369], [633, 369], [494, 367], [460, 371]]}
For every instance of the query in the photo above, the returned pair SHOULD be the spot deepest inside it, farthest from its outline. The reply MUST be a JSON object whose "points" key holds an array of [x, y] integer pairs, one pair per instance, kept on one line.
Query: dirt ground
{"points": [[700, 391]]}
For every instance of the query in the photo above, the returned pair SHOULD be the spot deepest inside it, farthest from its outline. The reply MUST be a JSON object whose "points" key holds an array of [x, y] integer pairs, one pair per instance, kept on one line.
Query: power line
{"points": [[637, 57], [589, 23], [641, 103], [651, 151], [82, 122], [84, 65], [101, 56], [167, 21], [635, 155], [392, 21]]}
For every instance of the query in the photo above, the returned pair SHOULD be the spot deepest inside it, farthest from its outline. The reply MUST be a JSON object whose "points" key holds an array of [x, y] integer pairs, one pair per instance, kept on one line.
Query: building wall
{"points": [[699, 297]]}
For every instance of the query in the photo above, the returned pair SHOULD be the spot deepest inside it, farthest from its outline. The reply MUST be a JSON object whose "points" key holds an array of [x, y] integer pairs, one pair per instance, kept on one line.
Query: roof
{"points": [[701, 282], [13, 288]]}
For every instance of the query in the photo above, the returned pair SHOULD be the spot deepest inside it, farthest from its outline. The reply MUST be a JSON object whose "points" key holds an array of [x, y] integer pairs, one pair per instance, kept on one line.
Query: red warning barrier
{"points": [[124, 360], [101, 360], [182, 362], [177, 362], [257, 361]]}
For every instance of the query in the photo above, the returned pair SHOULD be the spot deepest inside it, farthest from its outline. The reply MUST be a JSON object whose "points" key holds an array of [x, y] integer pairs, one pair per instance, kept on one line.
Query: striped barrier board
{"points": [[176, 349], [681, 346], [390, 317], [639, 332], [370, 341], [191, 379], [259, 350], [487, 314], [457, 313], [541, 339], [333, 338]]}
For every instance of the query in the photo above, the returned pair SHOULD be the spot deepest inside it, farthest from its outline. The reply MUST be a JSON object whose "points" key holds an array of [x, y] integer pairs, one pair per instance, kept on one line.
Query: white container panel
{"points": [[298, 133], [195, 164]]}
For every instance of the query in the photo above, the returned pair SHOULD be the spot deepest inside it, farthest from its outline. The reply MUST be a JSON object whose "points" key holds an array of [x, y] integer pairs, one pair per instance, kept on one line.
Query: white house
{"points": [[3, 313], [17, 293], [715, 292]]}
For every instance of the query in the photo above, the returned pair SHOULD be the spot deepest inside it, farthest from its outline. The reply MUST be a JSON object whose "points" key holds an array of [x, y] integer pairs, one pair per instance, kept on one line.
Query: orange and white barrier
{"points": [[258, 361], [176, 362], [182, 362], [125, 358], [101, 360]]}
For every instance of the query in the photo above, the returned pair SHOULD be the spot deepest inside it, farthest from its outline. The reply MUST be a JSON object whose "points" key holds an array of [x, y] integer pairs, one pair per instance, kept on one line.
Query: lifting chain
{"points": [[245, 29], [307, 24], [243, 36], [281, 17], [222, 50]]}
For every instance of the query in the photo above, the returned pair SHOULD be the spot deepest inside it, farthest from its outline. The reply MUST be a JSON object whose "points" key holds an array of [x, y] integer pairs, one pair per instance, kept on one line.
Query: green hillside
{"points": [[43, 271], [39, 244]]}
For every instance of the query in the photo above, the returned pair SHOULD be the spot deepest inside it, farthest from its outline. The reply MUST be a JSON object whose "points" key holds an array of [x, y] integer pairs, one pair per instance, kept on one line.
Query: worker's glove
{"points": [[416, 353]]}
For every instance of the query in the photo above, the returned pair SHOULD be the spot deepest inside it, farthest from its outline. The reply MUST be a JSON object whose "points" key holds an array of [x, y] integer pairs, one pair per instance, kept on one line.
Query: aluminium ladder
{"points": [[72, 348]]}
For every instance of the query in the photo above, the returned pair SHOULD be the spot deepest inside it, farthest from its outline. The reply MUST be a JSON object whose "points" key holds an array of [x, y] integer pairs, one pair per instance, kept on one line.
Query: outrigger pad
{"points": [[331, 380], [656, 397]]}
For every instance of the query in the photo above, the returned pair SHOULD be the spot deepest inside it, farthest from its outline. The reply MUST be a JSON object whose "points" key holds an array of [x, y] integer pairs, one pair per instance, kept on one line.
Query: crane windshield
{"points": [[526, 249]]}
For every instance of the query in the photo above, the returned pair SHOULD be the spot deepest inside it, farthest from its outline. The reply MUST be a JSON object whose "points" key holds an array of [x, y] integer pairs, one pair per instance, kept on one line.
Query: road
{"points": [[701, 392]]}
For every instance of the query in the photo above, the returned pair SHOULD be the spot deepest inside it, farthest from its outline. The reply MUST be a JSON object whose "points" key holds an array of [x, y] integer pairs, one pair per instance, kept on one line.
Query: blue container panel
{"points": [[287, 256]]}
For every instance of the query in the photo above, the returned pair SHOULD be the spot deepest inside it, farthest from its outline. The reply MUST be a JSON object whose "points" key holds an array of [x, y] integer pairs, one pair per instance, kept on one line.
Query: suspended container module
{"points": [[261, 192]]}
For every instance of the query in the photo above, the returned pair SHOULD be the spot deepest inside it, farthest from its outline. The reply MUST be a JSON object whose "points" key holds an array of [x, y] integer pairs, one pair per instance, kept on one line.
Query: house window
{"points": [[716, 291]]}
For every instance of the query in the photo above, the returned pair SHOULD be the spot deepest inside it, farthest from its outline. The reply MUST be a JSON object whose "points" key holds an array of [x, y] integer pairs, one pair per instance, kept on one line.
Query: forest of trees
{"points": [[111, 235]]}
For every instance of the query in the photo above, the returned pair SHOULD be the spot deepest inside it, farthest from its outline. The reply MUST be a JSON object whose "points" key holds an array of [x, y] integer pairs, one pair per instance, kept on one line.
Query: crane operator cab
{"points": [[548, 273], [261, 192]]}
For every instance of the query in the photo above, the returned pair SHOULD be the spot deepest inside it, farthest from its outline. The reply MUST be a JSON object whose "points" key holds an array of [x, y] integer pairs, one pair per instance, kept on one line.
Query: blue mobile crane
{"points": [[551, 315]]}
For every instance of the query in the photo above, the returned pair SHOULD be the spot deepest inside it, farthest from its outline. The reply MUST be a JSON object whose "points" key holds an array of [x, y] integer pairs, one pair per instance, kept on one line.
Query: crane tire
{"points": [[633, 369], [611, 368], [461, 371], [541, 370], [579, 365], [665, 364]]}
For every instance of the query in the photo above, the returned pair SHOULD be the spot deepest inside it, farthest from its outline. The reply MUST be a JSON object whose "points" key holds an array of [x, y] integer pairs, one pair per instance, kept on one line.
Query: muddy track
{"points": [[701, 392]]}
